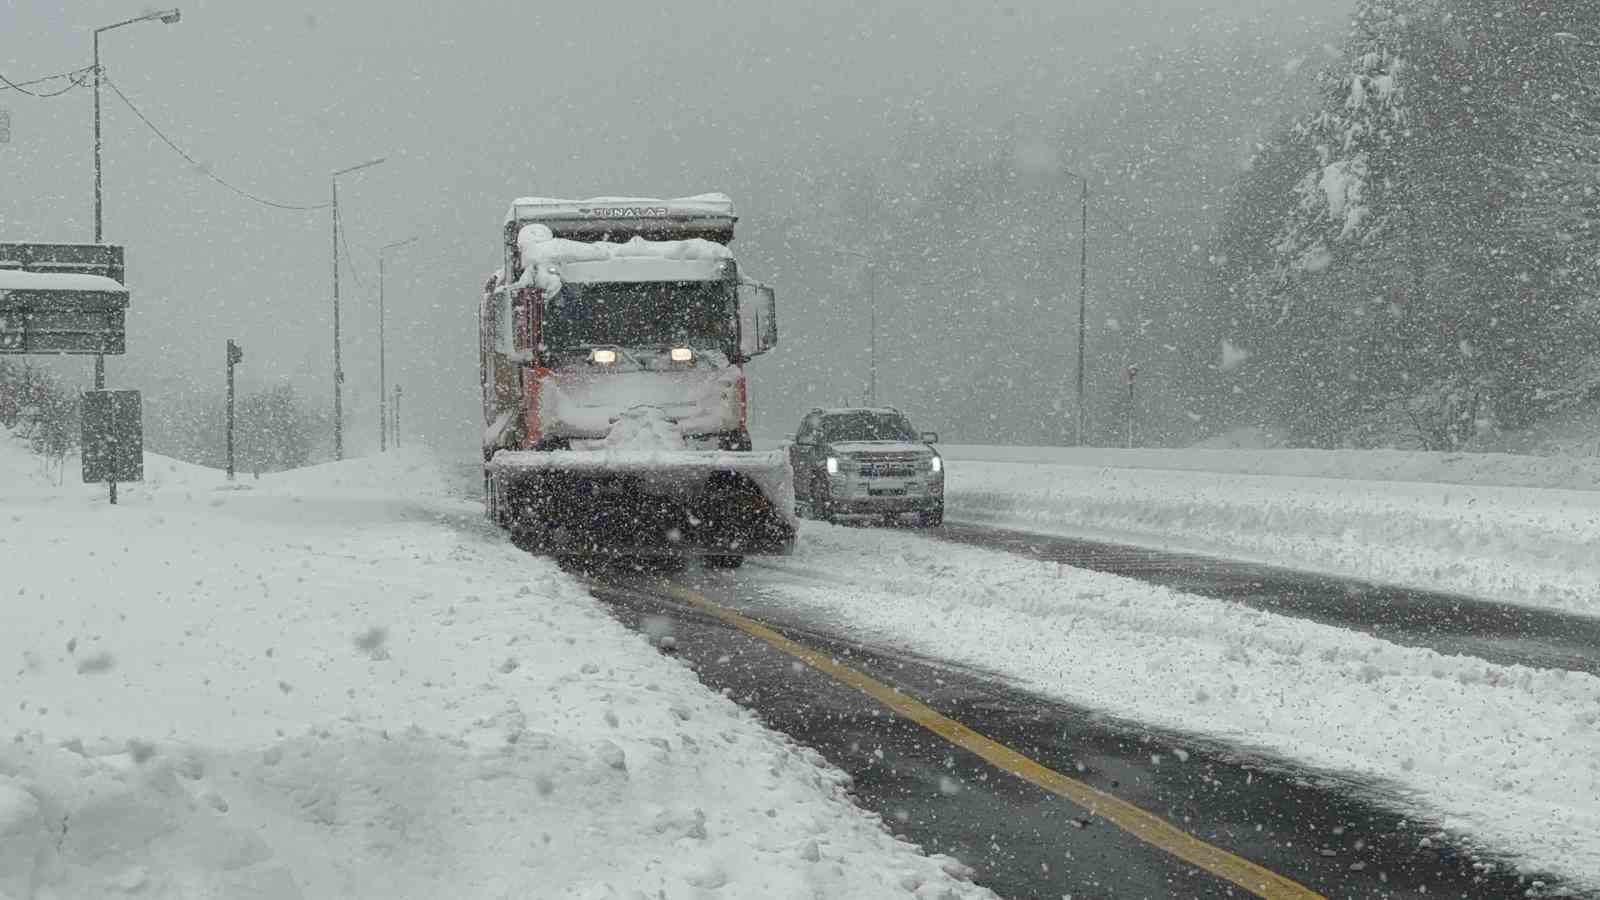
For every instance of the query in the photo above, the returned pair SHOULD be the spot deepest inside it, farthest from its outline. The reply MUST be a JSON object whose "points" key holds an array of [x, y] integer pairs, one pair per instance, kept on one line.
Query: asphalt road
{"points": [[1496, 632], [1328, 834]]}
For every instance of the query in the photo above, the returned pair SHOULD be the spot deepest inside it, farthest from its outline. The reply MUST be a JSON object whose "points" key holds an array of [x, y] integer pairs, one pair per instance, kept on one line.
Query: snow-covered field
{"points": [[1511, 528], [1507, 755], [339, 683]]}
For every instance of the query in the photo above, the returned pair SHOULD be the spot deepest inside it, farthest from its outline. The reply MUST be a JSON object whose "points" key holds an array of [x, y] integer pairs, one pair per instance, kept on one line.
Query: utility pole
{"points": [[397, 416], [1132, 376], [870, 396], [872, 342], [338, 368], [235, 356], [383, 386], [1083, 297]]}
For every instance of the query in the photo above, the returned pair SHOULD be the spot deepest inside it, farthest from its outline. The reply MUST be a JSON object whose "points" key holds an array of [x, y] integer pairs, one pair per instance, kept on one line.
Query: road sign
{"points": [[113, 437], [62, 298]]}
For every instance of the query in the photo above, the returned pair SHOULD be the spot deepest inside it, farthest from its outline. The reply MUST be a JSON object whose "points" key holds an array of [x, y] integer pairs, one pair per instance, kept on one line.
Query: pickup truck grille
{"points": [[888, 470]]}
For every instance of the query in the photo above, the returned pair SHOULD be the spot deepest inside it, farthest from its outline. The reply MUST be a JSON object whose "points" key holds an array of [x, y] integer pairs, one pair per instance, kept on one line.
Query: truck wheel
{"points": [[931, 519], [722, 561]]}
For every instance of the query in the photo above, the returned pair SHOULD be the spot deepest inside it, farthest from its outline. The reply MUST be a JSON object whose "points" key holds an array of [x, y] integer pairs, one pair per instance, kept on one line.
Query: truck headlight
{"points": [[938, 465], [833, 465], [603, 357], [682, 354]]}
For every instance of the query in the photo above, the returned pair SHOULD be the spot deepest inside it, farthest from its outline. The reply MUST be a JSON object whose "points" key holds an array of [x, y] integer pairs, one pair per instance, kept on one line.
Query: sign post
{"points": [[235, 356]]}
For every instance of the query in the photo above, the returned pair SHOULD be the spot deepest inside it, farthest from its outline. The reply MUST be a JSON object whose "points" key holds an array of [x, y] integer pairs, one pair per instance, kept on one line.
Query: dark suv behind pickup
{"points": [[866, 463]]}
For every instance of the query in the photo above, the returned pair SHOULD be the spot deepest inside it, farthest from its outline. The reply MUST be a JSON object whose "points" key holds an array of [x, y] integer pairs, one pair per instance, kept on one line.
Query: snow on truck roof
{"points": [[552, 260]]}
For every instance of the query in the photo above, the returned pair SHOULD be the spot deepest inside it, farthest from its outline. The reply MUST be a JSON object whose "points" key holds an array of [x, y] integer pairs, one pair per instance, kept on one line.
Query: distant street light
{"points": [[338, 367], [383, 384]]}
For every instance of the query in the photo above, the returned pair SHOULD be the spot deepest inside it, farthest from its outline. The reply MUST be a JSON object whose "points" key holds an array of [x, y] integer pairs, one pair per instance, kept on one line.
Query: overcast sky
{"points": [[474, 103]]}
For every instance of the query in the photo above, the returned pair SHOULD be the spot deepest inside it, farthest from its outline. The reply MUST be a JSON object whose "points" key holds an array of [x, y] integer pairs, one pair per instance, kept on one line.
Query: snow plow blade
{"points": [[646, 503]]}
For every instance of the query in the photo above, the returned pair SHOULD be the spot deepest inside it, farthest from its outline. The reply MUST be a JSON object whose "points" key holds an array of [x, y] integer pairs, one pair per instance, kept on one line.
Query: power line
{"points": [[349, 261], [196, 163], [75, 80]]}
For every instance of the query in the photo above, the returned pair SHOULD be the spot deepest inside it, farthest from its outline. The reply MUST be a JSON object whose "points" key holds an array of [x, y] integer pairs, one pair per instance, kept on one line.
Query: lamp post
{"points": [[338, 368], [166, 17], [1083, 293], [383, 381], [872, 333]]}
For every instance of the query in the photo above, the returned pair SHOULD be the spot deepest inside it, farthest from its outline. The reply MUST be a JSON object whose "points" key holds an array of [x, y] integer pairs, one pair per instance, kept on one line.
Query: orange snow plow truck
{"points": [[613, 342]]}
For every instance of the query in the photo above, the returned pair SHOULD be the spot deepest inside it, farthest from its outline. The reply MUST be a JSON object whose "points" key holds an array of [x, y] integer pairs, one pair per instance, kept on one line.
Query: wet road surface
{"points": [[1328, 834], [1495, 632]]}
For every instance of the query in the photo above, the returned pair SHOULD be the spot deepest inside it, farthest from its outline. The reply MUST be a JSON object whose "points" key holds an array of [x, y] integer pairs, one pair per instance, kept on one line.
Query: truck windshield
{"points": [[698, 314], [867, 427]]}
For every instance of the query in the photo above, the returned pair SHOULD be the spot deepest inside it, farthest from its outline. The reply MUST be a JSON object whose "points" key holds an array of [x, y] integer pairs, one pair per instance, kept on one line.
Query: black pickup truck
{"points": [[866, 463]]}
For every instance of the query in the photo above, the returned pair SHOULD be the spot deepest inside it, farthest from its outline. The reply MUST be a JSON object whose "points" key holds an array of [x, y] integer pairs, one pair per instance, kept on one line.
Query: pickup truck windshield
{"points": [[699, 314], [867, 427]]}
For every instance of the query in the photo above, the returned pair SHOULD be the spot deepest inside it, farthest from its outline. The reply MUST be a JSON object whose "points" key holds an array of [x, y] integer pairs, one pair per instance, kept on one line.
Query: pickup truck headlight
{"points": [[833, 465], [938, 465]]}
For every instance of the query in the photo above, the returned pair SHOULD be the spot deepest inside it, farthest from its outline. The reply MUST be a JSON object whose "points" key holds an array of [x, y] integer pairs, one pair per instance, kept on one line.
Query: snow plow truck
{"points": [[613, 342]]}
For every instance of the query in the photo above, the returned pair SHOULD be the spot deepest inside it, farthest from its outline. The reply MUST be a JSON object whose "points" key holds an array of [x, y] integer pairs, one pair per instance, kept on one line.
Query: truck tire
{"points": [[722, 561], [932, 519]]}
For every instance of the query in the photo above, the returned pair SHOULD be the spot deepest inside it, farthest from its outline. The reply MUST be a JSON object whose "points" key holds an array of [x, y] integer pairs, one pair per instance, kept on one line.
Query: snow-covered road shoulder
{"points": [[1480, 529], [339, 683], [1504, 754]]}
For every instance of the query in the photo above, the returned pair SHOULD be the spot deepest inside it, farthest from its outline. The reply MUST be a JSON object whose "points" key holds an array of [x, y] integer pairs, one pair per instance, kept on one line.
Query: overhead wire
{"points": [[198, 165], [74, 78], [349, 260]]}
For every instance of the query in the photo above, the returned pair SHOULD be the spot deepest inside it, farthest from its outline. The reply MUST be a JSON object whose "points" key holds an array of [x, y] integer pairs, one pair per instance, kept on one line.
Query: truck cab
{"points": [[866, 463]]}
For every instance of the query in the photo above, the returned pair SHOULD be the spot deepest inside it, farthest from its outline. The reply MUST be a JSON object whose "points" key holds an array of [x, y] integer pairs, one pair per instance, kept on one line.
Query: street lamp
{"points": [[338, 368], [872, 334], [1083, 292], [166, 17], [383, 384]]}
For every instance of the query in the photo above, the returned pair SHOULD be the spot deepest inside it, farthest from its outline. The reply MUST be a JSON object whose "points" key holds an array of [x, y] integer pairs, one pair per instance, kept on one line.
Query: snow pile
{"points": [[340, 682], [1505, 754], [1532, 546]]}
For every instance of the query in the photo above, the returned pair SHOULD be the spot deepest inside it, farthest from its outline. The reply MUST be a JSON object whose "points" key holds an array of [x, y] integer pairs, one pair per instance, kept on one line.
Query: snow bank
{"points": [[1504, 754], [339, 682], [1504, 469], [1532, 546]]}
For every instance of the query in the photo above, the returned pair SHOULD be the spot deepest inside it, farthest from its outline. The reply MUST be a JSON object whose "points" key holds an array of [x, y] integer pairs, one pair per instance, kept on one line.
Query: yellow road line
{"points": [[1145, 826]]}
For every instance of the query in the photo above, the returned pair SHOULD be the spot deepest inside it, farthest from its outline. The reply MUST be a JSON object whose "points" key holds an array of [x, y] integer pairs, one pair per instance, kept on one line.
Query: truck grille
{"points": [[888, 470]]}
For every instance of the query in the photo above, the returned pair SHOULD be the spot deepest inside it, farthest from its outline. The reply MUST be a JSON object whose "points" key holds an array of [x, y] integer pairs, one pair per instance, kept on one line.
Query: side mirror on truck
{"points": [[930, 437], [758, 318]]}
